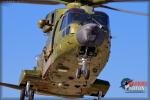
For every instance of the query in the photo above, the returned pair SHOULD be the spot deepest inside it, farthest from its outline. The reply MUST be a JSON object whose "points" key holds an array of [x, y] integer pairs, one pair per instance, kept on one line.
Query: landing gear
{"points": [[99, 95], [86, 74], [78, 73], [31, 95], [83, 70], [27, 92], [22, 94]]}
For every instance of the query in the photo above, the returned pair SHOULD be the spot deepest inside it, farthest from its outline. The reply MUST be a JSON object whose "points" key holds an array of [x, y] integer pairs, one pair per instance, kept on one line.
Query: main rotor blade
{"points": [[95, 3], [127, 0], [54, 2], [10, 86], [127, 11], [47, 2]]}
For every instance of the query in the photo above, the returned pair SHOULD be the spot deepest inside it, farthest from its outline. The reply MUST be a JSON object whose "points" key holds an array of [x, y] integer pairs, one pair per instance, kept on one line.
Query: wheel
{"points": [[78, 73], [98, 98], [31, 95], [22, 94], [86, 74], [99, 95]]}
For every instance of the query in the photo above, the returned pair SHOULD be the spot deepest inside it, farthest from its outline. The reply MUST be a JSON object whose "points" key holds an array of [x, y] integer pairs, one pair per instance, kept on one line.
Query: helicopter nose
{"points": [[90, 35]]}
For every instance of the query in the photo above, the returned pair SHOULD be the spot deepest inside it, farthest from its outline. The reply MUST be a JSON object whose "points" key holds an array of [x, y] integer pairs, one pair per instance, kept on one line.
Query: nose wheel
{"points": [[27, 92], [83, 70]]}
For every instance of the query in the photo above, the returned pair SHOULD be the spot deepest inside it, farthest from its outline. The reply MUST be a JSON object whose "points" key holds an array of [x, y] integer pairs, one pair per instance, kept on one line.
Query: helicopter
{"points": [[81, 43]]}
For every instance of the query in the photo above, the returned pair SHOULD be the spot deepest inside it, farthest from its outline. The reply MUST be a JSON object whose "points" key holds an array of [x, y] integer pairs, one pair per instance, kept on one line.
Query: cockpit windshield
{"points": [[83, 18], [80, 17], [77, 17], [102, 19]]}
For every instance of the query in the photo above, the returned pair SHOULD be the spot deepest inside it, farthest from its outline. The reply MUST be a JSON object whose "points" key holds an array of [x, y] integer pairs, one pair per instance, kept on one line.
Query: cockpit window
{"points": [[83, 18], [77, 17], [80, 16], [101, 19], [64, 23], [51, 17]]}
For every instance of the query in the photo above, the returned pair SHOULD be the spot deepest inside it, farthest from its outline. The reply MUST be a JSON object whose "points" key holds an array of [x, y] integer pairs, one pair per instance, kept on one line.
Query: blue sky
{"points": [[22, 41]]}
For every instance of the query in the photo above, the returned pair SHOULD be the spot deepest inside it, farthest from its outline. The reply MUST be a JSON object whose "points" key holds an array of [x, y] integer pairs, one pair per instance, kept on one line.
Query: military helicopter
{"points": [[77, 50]]}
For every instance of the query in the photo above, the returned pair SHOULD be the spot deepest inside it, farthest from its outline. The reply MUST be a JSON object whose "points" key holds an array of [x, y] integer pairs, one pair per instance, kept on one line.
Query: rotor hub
{"points": [[74, 5]]}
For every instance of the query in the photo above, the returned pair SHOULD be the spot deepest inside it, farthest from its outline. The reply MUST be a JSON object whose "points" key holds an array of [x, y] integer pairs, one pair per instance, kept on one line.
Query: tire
{"points": [[78, 73], [87, 74], [22, 94], [31, 95], [99, 95]]}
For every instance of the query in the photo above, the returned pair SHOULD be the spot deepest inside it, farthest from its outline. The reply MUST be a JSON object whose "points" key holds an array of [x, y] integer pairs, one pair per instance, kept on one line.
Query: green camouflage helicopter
{"points": [[77, 50]]}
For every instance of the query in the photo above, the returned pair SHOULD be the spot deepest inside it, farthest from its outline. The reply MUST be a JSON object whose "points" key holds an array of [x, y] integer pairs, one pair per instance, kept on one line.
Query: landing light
{"points": [[62, 70], [59, 84]]}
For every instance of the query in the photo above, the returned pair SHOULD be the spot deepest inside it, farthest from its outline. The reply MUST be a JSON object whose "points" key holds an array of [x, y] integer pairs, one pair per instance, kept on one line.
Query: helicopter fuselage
{"points": [[77, 50], [78, 42]]}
